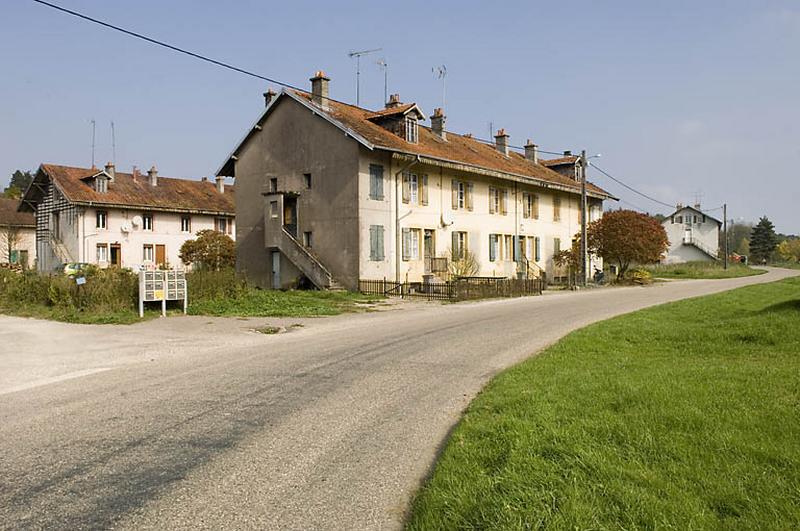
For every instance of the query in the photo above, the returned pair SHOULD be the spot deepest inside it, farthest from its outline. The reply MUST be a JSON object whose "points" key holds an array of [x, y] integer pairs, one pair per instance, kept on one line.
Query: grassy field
{"points": [[111, 297], [683, 416], [270, 303], [702, 270]]}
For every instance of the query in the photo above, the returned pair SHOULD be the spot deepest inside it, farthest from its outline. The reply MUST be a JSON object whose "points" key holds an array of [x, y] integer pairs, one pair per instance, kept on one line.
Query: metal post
{"points": [[725, 232], [358, 81], [583, 218]]}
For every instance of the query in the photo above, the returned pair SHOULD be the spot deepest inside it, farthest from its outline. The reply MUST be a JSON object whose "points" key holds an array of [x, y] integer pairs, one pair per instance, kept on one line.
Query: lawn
{"points": [[273, 303], [702, 270], [682, 416]]}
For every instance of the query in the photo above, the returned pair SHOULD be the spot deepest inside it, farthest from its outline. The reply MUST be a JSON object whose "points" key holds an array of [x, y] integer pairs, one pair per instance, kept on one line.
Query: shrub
{"points": [[210, 250]]}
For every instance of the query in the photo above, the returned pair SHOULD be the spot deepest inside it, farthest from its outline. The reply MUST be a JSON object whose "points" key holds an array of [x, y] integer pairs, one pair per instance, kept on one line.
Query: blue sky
{"points": [[681, 98]]}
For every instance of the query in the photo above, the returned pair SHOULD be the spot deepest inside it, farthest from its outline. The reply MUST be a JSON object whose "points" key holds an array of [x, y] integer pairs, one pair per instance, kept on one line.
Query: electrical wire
{"points": [[631, 188]]}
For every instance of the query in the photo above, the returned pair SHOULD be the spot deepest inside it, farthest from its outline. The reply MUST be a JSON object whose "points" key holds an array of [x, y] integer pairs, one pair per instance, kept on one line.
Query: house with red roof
{"points": [[333, 193], [111, 218], [17, 235]]}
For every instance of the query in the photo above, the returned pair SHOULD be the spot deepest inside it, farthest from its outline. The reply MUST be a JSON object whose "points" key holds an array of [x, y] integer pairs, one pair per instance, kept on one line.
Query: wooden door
{"points": [[276, 270], [161, 255], [116, 255]]}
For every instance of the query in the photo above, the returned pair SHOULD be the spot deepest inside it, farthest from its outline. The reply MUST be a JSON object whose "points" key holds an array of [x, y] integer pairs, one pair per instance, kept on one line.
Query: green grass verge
{"points": [[702, 270], [272, 303], [683, 416]]}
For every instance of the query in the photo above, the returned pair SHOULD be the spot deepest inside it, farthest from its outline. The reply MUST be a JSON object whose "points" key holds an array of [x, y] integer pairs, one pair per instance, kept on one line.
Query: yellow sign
{"points": [[158, 294]]}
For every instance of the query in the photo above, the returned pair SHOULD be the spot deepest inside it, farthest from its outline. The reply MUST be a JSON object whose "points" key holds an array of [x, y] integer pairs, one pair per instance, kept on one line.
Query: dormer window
{"points": [[101, 185], [412, 130]]}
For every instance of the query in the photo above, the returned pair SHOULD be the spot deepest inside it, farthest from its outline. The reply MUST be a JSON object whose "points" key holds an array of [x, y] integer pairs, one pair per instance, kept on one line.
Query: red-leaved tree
{"points": [[626, 237]]}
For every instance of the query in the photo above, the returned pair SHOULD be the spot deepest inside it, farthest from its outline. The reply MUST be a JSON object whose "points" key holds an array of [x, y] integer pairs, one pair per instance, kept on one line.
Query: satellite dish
{"points": [[125, 228], [447, 219], [137, 221]]}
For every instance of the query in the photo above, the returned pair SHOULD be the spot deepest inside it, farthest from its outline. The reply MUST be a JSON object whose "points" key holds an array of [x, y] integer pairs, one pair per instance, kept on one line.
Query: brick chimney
{"points": [[394, 101], [269, 96], [532, 152], [437, 123], [319, 89], [152, 176], [110, 169], [220, 184], [135, 173], [501, 142]]}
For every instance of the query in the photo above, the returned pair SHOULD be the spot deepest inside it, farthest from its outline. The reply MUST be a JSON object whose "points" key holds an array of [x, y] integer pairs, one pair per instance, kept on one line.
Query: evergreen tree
{"points": [[763, 241], [18, 184]]}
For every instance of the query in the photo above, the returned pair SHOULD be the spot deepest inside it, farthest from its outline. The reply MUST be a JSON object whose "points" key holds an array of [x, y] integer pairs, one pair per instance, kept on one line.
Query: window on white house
{"points": [[459, 245], [413, 189], [186, 224], [411, 241], [494, 247], [376, 252], [494, 200], [412, 131], [147, 253], [101, 218], [147, 221], [462, 195], [222, 225], [102, 252], [376, 182], [508, 247], [556, 209]]}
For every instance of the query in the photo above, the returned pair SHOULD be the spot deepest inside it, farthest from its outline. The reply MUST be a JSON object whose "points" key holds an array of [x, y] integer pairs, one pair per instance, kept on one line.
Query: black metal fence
{"points": [[455, 290]]}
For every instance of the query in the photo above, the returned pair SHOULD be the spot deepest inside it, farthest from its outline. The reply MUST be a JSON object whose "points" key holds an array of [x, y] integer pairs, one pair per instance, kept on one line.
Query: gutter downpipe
{"points": [[397, 243]]}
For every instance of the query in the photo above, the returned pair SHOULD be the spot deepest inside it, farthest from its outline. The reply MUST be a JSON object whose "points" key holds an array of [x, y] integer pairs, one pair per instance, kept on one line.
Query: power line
{"points": [[166, 45], [632, 189]]}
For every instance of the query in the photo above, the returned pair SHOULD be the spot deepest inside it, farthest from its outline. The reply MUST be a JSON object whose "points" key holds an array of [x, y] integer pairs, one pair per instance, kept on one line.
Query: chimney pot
{"points": [[203, 179], [501, 142], [269, 96], [437, 123], [532, 152], [394, 101], [220, 184], [319, 89], [567, 153], [110, 170], [152, 176]]}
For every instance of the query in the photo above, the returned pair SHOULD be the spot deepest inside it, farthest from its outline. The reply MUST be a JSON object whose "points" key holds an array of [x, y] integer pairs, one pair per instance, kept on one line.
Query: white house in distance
{"points": [[693, 235], [17, 235], [111, 218]]}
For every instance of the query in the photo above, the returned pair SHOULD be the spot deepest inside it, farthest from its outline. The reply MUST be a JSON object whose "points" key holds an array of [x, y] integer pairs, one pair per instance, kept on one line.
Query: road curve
{"points": [[330, 427]]}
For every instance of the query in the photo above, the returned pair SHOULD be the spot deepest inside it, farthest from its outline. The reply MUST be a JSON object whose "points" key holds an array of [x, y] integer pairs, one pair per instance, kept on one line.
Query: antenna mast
{"points": [[113, 144], [358, 55], [94, 128], [383, 64], [441, 73]]}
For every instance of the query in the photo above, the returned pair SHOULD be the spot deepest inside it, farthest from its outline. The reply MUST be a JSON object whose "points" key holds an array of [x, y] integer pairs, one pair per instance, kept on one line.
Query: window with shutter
{"points": [[406, 187], [376, 182], [537, 249], [504, 203], [492, 247], [556, 209], [406, 244], [556, 245], [379, 255], [376, 243]]}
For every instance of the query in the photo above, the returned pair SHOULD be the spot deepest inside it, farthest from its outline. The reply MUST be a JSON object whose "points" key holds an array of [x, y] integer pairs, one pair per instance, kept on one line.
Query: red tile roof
{"points": [[125, 191], [571, 159], [10, 216], [457, 148], [400, 109]]}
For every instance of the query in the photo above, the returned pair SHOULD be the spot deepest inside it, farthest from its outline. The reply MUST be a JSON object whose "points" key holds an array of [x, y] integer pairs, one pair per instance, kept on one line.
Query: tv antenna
{"points": [[113, 144], [385, 66], [94, 129], [441, 73], [357, 55]]}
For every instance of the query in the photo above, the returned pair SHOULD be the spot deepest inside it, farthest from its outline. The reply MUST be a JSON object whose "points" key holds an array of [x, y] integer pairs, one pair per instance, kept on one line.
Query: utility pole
{"points": [[725, 231], [583, 164], [358, 55]]}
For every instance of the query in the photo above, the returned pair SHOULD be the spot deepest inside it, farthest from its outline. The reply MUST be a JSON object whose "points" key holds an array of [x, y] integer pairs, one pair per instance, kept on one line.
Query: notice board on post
{"points": [[162, 286]]}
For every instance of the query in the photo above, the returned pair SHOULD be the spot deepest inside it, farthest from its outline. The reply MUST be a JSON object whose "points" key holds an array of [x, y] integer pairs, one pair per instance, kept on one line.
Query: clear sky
{"points": [[681, 98]]}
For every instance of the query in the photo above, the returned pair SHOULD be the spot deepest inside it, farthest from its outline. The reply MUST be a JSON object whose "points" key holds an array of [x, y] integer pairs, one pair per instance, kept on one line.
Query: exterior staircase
{"points": [[59, 249], [305, 261], [689, 239]]}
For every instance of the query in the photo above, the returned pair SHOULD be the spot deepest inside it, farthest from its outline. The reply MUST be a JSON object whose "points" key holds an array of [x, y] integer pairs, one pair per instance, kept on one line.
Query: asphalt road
{"points": [[186, 423]]}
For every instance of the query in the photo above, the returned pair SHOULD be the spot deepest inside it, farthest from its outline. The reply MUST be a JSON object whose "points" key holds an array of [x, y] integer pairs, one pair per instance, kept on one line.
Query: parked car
{"points": [[72, 269]]}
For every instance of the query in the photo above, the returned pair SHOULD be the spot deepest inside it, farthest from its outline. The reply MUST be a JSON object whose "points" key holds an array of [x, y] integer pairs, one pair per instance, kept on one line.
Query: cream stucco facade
{"points": [[693, 236]]}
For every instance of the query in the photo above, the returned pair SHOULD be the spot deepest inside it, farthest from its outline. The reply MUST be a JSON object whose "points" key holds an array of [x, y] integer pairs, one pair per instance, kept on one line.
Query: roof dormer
{"points": [[400, 118], [99, 181]]}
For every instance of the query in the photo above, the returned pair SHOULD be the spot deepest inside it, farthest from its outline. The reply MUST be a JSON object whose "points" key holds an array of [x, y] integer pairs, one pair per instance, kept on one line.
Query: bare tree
{"points": [[463, 264]]}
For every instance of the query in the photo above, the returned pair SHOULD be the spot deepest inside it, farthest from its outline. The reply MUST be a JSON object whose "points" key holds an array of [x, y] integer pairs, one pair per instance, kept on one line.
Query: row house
{"points": [[17, 235], [334, 193], [111, 218]]}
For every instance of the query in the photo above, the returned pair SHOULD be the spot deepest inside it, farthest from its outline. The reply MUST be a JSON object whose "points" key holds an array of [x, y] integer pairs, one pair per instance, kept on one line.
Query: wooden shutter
{"points": [[537, 250], [504, 202], [406, 187], [406, 244], [491, 200], [373, 242], [468, 196], [379, 243], [454, 250], [492, 247], [454, 185], [535, 213], [424, 186]]}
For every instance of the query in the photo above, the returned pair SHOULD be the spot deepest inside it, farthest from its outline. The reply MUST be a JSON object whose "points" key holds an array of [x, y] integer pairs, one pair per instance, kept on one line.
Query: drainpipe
{"points": [[397, 243]]}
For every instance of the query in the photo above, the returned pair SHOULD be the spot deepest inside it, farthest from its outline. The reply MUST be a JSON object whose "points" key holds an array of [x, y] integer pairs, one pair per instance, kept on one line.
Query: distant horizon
{"points": [[683, 101]]}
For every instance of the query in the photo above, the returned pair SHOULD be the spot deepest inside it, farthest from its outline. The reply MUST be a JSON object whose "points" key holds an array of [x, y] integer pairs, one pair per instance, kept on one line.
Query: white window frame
{"points": [[147, 221], [101, 215], [462, 195], [413, 189], [186, 224], [102, 256], [148, 253], [412, 130]]}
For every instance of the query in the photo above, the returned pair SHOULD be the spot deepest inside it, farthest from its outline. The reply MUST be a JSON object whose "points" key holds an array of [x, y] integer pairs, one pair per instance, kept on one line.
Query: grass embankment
{"points": [[702, 270], [683, 416], [111, 297]]}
